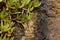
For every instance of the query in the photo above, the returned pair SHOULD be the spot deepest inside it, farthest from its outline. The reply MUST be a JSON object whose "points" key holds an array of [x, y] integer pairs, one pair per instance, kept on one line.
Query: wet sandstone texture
{"points": [[45, 24]]}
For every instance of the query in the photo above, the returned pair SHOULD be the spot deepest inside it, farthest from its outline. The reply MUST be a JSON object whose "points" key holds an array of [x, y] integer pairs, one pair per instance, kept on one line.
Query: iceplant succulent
{"points": [[6, 38], [6, 27], [18, 10], [24, 5]]}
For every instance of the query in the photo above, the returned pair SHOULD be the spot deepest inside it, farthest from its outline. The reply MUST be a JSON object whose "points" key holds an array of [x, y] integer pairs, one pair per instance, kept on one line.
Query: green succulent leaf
{"points": [[1, 0], [12, 38], [25, 2], [37, 4]]}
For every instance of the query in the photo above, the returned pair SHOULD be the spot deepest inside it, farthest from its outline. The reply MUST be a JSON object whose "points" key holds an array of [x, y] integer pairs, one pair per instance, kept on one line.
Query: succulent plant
{"points": [[6, 38], [18, 10], [6, 27]]}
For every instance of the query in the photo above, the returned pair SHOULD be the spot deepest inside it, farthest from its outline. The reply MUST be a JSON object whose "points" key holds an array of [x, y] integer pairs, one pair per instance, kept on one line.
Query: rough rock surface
{"points": [[49, 25], [45, 24]]}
